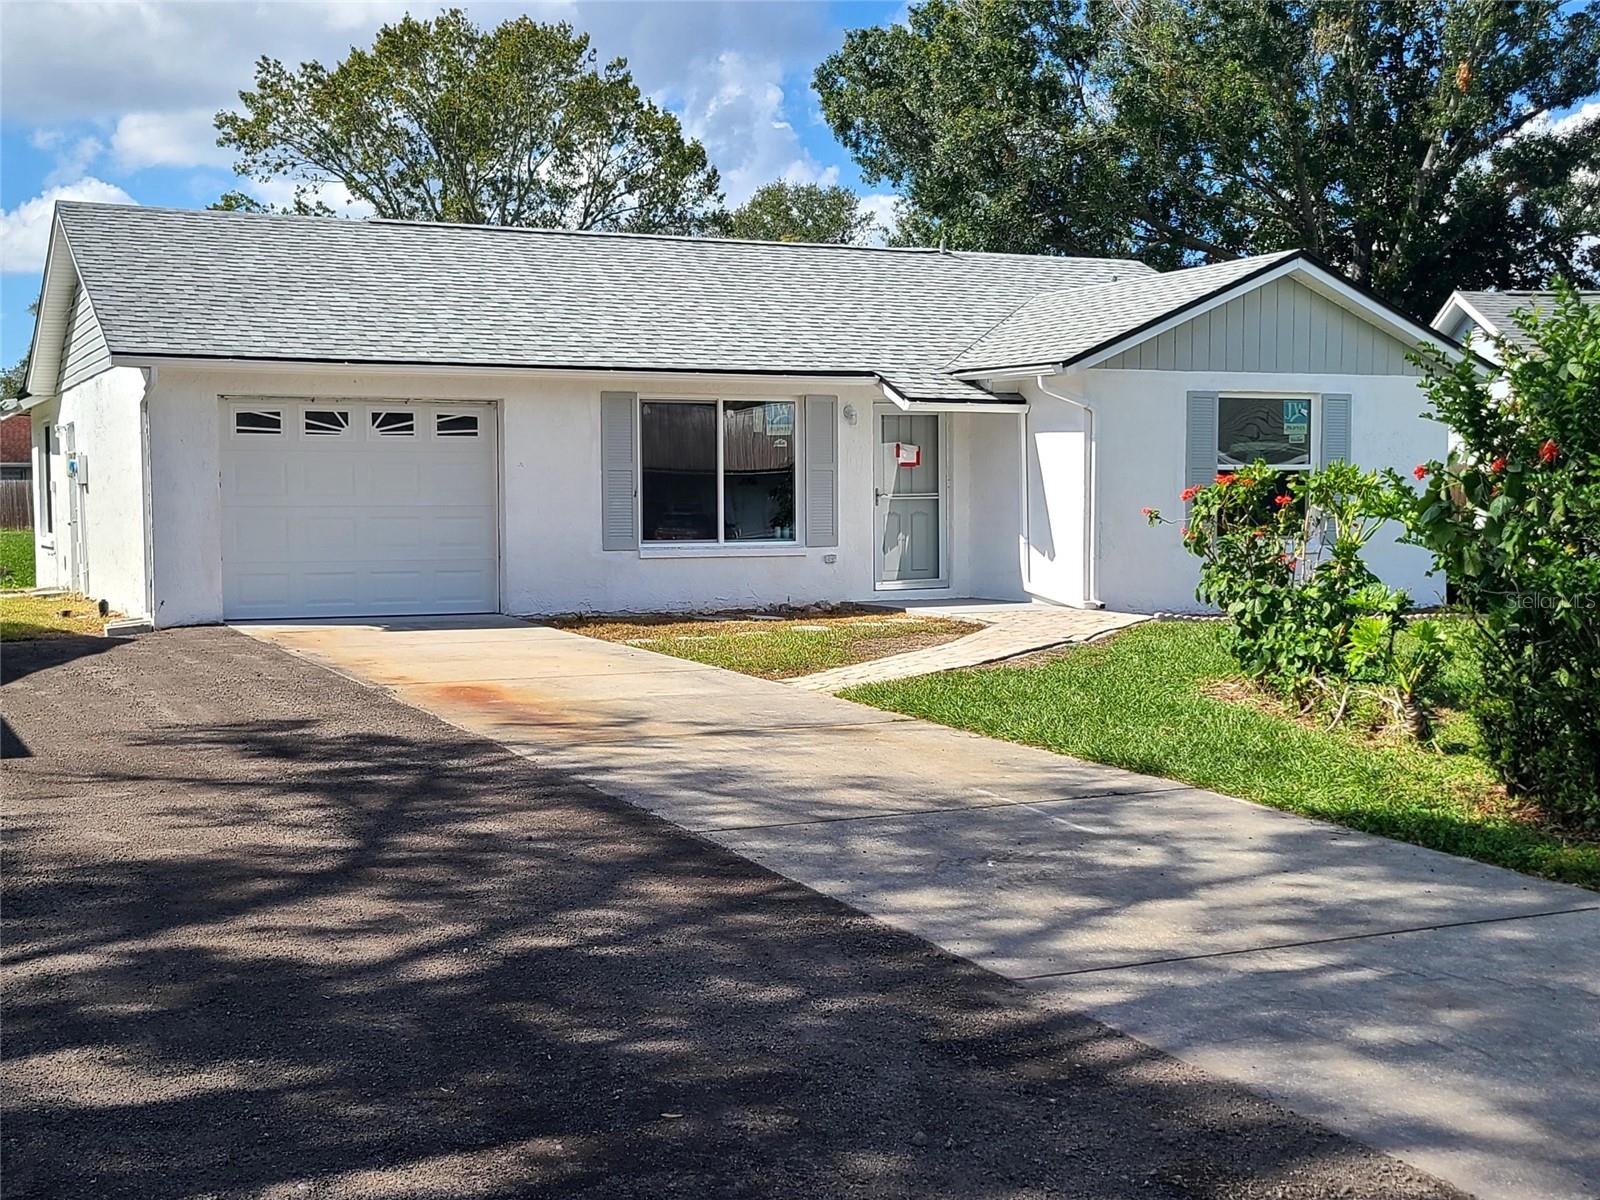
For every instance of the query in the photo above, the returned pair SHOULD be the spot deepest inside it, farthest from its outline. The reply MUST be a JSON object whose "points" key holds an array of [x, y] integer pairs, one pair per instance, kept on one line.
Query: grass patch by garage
{"points": [[1165, 699], [776, 646], [23, 617], [16, 559]]}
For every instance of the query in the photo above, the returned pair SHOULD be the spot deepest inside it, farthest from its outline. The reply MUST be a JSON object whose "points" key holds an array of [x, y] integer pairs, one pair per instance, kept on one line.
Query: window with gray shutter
{"points": [[1200, 448], [618, 454], [1335, 429], [822, 470]]}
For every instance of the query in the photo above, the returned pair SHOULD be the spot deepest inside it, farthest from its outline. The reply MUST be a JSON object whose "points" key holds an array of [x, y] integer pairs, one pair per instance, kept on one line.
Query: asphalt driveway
{"points": [[271, 933]]}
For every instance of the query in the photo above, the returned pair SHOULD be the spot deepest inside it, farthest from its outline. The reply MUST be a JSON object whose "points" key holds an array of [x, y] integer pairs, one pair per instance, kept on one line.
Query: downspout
{"points": [[1091, 588], [150, 374]]}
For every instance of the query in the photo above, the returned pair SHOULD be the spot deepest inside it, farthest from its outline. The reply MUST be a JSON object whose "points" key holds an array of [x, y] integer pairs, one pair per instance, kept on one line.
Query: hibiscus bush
{"points": [[1514, 522], [1281, 556]]}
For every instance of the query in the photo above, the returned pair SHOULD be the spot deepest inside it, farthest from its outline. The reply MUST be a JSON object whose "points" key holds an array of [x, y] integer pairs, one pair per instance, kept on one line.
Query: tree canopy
{"points": [[443, 121], [802, 212], [1406, 142]]}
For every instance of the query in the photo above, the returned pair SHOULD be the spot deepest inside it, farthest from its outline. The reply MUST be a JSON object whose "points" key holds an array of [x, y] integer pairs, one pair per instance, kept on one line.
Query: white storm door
{"points": [[358, 508], [910, 500]]}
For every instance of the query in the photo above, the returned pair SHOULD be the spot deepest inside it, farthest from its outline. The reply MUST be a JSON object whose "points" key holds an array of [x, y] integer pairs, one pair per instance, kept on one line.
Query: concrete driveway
{"points": [[1441, 1010]]}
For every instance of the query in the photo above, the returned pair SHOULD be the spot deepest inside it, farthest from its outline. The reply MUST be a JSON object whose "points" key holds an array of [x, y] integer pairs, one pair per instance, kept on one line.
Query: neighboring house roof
{"points": [[169, 282], [1492, 312], [1060, 327]]}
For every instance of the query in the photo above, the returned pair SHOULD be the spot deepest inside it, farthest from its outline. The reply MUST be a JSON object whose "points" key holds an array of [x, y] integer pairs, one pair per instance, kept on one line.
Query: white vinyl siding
{"points": [[84, 353], [1280, 327]]}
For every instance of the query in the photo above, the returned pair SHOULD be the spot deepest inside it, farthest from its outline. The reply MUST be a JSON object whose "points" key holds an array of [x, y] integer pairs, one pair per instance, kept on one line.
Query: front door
{"points": [[909, 495]]}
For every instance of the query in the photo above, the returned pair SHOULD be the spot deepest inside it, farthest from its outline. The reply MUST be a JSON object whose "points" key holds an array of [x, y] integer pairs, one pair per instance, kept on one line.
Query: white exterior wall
{"points": [[551, 560], [107, 429], [1139, 428], [1054, 532]]}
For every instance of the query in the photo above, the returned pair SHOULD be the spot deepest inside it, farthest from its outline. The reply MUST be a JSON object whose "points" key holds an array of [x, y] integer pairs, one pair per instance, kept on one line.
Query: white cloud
{"points": [[73, 156], [186, 138], [281, 192], [880, 207], [25, 230], [738, 113]]}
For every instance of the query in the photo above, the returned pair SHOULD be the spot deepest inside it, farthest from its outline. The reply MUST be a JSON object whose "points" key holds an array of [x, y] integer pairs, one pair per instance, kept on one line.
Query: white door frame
{"points": [[879, 504]]}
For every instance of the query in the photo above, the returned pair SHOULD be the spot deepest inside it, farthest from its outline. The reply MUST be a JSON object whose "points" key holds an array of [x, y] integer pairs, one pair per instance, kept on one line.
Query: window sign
{"points": [[1297, 422]]}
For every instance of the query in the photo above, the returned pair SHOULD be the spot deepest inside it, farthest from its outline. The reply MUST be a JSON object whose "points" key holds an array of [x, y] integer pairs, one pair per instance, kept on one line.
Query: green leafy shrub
{"points": [[1514, 522], [1281, 556]]}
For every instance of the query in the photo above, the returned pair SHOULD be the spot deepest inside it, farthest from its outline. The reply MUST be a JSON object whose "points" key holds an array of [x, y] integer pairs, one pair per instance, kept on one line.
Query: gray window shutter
{"points": [[1335, 429], [618, 456], [1200, 452], [822, 470]]}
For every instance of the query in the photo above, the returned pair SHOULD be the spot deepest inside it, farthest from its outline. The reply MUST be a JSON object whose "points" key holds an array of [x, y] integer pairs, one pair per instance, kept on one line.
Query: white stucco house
{"points": [[240, 416]]}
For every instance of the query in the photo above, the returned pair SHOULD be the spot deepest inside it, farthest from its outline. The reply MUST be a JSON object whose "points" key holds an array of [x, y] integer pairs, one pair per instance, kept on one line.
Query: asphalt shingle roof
{"points": [[1057, 327], [232, 285], [1496, 308]]}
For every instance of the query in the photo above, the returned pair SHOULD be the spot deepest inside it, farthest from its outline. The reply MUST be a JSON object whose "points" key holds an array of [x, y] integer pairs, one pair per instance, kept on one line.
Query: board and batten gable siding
{"points": [[84, 353], [1282, 327]]}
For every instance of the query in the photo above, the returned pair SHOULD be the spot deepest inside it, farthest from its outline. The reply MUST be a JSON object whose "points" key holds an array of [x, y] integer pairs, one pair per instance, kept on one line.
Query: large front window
{"points": [[717, 470]]}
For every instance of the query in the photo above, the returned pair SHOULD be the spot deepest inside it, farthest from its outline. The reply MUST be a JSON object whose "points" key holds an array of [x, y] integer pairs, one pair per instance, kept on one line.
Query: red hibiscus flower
{"points": [[1421, 471], [1549, 452], [1280, 501], [1498, 465]]}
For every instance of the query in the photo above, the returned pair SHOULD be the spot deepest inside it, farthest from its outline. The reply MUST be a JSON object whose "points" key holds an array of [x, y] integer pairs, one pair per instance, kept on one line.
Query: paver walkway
{"points": [[1009, 628], [1440, 1009]]}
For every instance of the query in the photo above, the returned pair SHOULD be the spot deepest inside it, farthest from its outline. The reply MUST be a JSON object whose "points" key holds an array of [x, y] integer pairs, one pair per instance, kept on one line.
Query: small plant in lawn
{"points": [[1281, 556], [1514, 521]]}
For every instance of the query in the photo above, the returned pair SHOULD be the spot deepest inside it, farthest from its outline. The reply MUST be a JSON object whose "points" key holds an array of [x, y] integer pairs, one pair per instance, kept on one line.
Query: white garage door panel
{"points": [[354, 523]]}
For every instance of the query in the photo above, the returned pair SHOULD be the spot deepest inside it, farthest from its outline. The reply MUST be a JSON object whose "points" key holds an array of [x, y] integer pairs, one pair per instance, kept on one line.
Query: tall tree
{"points": [[443, 121], [1408, 142], [802, 212]]}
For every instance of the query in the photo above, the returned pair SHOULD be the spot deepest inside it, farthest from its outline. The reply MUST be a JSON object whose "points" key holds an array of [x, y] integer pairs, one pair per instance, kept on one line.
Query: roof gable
{"points": [[1089, 326], [1282, 326]]}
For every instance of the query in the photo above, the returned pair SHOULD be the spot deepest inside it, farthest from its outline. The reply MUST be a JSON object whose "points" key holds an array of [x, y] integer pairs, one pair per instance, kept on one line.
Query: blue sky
{"points": [[113, 101]]}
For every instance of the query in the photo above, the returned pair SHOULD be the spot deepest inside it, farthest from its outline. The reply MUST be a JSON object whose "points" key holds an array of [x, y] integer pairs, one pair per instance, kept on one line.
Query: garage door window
{"points": [[455, 425], [326, 422], [394, 423], [267, 421]]}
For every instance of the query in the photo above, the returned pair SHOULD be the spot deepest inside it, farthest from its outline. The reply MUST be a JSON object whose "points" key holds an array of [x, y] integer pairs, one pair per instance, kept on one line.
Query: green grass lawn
{"points": [[776, 649], [16, 558], [26, 617], [1140, 701]]}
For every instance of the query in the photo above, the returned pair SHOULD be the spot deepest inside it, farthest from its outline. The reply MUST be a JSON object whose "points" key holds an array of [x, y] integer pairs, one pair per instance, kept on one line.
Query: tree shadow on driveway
{"points": [[271, 933]]}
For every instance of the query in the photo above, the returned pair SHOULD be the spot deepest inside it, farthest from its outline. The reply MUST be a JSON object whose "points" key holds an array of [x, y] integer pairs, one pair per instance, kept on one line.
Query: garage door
{"points": [[377, 508]]}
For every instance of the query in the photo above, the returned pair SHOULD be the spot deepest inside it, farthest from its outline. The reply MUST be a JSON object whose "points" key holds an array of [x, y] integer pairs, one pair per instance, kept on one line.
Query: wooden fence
{"points": [[16, 504]]}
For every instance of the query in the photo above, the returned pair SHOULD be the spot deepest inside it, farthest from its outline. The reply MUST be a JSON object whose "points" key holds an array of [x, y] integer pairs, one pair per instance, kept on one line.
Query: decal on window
{"points": [[326, 422], [455, 425], [394, 423], [258, 420]]}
